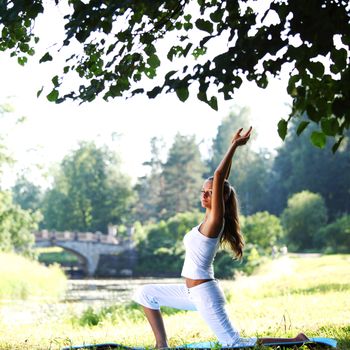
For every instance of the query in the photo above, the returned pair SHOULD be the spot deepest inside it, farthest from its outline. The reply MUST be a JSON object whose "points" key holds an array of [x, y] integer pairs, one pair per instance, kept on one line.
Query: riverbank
{"points": [[289, 295]]}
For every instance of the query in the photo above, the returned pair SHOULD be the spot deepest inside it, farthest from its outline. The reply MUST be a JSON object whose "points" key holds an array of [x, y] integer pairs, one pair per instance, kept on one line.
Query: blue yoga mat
{"points": [[245, 343], [251, 342]]}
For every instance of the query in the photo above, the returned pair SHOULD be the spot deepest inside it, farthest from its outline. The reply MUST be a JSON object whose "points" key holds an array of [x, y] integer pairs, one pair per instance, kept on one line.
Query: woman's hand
{"points": [[239, 139]]}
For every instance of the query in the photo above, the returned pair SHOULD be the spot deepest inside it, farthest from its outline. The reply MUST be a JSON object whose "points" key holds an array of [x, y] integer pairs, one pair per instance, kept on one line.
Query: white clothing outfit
{"points": [[200, 254], [207, 298]]}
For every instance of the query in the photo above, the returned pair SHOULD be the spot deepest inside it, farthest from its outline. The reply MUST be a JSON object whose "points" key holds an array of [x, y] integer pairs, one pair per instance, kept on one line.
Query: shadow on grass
{"points": [[116, 313], [322, 288]]}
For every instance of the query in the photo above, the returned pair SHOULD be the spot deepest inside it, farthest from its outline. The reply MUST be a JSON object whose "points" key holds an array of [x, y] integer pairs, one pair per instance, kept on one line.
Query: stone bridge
{"points": [[88, 246]]}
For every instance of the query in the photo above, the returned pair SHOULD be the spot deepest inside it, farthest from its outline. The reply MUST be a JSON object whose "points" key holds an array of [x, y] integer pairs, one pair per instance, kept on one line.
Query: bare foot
{"points": [[301, 337]]}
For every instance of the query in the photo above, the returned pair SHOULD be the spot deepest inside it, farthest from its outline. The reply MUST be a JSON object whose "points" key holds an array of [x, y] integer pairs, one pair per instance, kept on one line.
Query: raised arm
{"points": [[224, 167], [214, 220]]}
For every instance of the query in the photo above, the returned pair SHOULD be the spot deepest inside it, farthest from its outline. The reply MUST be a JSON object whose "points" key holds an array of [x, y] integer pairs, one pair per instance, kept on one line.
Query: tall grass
{"points": [[21, 278], [285, 297]]}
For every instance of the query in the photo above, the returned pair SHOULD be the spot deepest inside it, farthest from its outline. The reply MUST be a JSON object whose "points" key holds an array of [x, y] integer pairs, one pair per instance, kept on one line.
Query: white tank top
{"points": [[200, 254]]}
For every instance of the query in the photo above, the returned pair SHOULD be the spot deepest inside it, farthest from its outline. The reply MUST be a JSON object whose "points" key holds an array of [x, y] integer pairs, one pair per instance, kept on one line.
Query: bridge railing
{"points": [[46, 235]]}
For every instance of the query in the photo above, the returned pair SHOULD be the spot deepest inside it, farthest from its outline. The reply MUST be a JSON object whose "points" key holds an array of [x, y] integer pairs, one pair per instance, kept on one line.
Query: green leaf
{"points": [[337, 144], [115, 90], [262, 81], [178, 25], [202, 24], [22, 60], [35, 9], [202, 96], [302, 126], [339, 57], [137, 91], [345, 39], [334, 69], [172, 52], [106, 26], [282, 128], [199, 51], [52, 96], [45, 58], [301, 91], [24, 47], [182, 93], [316, 69], [213, 103], [313, 114], [39, 91], [150, 72], [154, 92], [318, 139], [217, 15], [187, 49], [153, 61], [330, 126], [150, 49], [137, 77], [188, 26], [55, 81], [169, 74], [339, 107]]}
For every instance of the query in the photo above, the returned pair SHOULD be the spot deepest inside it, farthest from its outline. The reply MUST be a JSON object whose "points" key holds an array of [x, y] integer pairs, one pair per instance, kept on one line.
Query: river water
{"points": [[113, 291], [80, 295]]}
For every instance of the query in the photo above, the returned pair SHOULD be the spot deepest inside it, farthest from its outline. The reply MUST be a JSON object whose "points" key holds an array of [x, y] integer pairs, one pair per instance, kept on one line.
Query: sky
{"points": [[50, 131]]}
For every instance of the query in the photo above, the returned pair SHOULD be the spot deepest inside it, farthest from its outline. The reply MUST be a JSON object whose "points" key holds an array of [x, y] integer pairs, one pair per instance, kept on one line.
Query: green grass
{"points": [[283, 298], [22, 279]]}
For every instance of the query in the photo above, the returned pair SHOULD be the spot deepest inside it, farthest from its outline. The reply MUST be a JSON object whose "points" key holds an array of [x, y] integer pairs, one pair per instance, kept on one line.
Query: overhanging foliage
{"points": [[310, 39]]}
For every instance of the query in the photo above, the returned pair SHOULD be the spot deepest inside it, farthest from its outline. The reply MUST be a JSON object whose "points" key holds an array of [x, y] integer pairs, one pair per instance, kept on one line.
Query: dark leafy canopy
{"points": [[298, 166], [118, 49]]}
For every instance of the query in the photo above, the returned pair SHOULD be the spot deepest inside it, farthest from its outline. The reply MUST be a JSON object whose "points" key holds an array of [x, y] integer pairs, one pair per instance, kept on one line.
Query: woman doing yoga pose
{"points": [[201, 291]]}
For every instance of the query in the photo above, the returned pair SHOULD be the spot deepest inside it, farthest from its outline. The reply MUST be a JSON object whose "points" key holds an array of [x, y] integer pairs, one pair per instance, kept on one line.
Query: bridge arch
{"points": [[88, 249]]}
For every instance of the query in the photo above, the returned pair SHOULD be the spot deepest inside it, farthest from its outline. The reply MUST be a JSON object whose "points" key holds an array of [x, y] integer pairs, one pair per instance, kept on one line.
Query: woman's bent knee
{"points": [[145, 296]]}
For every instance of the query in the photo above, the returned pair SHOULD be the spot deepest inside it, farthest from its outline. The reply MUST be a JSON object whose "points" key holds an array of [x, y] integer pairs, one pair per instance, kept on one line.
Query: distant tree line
{"points": [[299, 196], [16, 223]]}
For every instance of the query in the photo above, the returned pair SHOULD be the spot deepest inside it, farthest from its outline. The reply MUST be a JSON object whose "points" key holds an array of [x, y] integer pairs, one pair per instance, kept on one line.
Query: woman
{"points": [[201, 291]]}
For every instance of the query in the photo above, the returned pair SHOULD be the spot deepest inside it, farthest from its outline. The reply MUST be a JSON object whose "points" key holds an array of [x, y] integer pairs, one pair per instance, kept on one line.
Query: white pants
{"points": [[207, 298]]}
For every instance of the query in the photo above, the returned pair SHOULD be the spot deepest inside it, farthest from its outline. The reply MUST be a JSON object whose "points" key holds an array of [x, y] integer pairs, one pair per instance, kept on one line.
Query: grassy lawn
{"points": [[286, 296]]}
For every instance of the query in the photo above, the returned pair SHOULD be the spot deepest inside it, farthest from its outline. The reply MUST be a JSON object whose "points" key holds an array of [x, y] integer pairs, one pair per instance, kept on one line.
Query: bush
{"points": [[160, 247], [253, 260], [335, 237], [263, 229], [305, 214], [225, 265], [16, 226]]}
